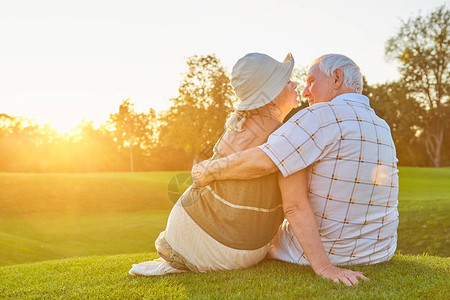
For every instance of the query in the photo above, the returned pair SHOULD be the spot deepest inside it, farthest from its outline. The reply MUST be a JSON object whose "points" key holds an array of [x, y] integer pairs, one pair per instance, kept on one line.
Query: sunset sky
{"points": [[61, 62]]}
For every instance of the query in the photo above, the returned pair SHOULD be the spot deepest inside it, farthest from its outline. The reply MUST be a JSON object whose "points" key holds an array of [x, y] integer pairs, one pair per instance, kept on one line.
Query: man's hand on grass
{"points": [[347, 277]]}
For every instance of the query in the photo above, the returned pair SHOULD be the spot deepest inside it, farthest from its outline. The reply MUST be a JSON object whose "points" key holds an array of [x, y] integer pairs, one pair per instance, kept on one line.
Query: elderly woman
{"points": [[229, 224]]}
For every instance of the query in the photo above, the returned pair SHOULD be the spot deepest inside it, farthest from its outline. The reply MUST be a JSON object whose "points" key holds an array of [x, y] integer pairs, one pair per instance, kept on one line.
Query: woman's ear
{"points": [[338, 78]]}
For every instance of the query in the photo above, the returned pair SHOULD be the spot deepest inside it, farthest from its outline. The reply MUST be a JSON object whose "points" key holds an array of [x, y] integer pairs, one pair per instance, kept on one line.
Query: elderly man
{"points": [[339, 153]]}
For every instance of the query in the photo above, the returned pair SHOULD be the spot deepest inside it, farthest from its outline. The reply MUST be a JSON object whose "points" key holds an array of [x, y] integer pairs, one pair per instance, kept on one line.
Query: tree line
{"points": [[416, 107]]}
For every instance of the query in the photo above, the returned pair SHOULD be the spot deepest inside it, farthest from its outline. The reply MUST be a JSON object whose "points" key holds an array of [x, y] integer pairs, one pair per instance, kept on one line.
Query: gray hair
{"points": [[352, 74]]}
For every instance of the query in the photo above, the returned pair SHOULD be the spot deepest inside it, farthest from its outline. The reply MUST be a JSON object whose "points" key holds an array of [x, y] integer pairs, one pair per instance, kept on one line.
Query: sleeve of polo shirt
{"points": [[297, 144]]}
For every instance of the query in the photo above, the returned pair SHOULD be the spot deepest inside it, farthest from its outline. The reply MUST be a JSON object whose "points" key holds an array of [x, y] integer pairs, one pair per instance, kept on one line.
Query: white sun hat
{"points": [[257, 79]]}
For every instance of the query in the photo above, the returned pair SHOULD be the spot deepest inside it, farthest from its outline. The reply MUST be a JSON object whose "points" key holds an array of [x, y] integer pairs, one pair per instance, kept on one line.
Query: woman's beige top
{"points": [[241, 214]]}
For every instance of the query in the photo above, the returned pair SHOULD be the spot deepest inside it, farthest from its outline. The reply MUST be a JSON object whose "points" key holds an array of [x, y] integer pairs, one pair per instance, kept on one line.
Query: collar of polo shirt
{"points": [[353, 97]]}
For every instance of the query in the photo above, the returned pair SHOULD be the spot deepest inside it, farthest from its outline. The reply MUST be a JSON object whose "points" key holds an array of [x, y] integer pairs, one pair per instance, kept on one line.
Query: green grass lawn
{"points": [[54, 216], [42, 237], [424, 206], [106, 277], [49, 216], [77, 194]]}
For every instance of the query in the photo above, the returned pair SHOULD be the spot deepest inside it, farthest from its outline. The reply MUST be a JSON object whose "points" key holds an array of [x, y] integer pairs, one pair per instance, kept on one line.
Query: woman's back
{"points": [[256, 129], [241, 214]]}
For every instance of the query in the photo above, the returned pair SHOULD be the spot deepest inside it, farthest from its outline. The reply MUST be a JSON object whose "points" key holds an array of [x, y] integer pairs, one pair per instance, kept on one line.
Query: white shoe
{"points": [[155, 267]]}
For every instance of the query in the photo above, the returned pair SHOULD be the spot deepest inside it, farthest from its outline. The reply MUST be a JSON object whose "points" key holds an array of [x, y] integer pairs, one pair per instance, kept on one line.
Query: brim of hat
{"points": [[272, 88]]}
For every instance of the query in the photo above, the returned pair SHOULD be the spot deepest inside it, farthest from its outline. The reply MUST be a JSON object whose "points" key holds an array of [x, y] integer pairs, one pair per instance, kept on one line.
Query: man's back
{"points": [[353, 182]]}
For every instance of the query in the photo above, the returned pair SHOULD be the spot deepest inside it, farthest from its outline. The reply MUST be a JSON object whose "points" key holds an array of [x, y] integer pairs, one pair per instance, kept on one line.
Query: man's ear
{"points": [[338, 78]]}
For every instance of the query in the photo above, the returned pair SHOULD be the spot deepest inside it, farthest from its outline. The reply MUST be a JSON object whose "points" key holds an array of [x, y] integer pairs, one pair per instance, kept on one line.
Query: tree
{"points": [[196, 119], [422, 48], [133, 131], [394, 104], [18, 141]]}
